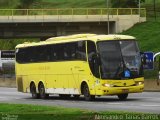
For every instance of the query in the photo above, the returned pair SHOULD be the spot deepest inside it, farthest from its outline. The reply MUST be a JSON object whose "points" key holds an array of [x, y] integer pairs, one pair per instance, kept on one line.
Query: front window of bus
{"points": [[117, 57]]}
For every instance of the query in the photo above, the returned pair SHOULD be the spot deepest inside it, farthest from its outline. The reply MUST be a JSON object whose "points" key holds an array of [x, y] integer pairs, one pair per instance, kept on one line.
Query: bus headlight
{"points": [[107, 85], [139, 83]]}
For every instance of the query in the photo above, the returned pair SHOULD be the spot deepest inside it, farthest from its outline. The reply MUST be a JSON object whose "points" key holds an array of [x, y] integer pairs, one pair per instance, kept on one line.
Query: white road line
{"points": [[150, 105], [115, 103], [3, 99]]}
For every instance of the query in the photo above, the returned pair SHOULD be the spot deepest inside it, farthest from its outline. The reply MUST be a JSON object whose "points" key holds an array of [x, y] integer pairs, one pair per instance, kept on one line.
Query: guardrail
{"points": [[74, 11]]}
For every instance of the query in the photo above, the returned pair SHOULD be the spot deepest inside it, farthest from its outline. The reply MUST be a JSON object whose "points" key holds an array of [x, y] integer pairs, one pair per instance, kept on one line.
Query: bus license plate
{"points": [[125, 90]]}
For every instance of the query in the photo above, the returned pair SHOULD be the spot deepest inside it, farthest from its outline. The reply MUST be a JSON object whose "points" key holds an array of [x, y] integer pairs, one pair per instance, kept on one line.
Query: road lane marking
{"points": [[150, 105], [115, 103], [4, 99]]}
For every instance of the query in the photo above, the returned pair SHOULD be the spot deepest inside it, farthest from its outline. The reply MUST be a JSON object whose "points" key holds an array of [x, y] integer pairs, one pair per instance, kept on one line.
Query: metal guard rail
{"points": [[74, 11]]}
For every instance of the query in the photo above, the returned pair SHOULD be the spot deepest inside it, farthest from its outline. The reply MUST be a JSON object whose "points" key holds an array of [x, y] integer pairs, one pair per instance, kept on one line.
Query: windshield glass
{"points": [[117, 57], [131, 54]]}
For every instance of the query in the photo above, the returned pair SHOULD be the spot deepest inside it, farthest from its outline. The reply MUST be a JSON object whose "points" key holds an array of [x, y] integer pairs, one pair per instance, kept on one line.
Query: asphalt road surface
{"points": [[147, 102]]}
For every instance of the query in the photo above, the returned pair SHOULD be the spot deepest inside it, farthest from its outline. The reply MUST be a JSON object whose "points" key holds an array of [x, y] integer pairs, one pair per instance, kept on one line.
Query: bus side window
{"points": [[48, 52], [70, 51], [81, 50], [42, 55], [30, 57], [20, 55], [60, 51], [66, 51], [73, 51], [53, 53]]}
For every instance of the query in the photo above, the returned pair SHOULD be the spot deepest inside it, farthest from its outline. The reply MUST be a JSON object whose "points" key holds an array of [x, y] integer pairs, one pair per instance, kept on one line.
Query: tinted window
{"points": [[42, 53], [91, 49], [81, 50], [111, 58], [7, 54], [20, 55], [56, 52]]}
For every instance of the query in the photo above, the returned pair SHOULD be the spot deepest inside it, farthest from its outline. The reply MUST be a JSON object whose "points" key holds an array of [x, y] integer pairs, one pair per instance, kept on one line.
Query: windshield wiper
{"points": [[119, 71], [122, 68]]}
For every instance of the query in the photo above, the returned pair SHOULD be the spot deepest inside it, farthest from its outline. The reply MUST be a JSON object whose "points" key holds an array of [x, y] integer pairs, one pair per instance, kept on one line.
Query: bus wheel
{"points": [[86, 93], [33, 91], [123, 96], [76, 96], [43, 95]]}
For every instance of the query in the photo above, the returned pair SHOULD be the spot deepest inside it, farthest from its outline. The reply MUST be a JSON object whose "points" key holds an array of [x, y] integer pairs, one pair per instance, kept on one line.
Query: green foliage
{"points": [[37, 112], [69, 4], [51, 4], [10, 44], [125, 3], [25, 4], [153, 12], [8, 4], [147, 34]]}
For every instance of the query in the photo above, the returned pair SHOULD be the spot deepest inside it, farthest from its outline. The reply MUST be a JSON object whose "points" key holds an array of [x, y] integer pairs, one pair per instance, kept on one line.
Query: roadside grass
{"points": [[147, 34], [69, 4], [48, 4], [66, 4], [37, 112], [81, 4]]}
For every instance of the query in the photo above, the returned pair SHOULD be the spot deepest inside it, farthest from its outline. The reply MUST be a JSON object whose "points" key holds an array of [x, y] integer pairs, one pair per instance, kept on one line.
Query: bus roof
{"points": [[76, 37]]}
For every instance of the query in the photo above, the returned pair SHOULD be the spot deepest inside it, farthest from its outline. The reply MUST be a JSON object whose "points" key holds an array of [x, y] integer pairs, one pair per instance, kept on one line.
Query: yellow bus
{"points": [[82, 64]]}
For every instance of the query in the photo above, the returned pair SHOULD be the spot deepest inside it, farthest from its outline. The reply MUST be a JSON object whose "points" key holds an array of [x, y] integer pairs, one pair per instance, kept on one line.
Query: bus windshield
{"points": [[120, 59]]}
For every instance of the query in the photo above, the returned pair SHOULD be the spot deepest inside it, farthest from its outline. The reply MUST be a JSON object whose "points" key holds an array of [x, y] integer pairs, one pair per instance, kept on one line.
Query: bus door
{"points": [[78, 65], [93, 65]]}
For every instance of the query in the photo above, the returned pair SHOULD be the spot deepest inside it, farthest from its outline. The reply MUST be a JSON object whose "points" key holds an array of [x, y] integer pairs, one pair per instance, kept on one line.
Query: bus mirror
{"points": [[159, 63], [143, 58], [96, 59], [96, 62]]}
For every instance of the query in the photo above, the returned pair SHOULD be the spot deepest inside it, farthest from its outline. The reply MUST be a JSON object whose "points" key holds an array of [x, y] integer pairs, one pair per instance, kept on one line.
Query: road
{"points": [[147, 102]]}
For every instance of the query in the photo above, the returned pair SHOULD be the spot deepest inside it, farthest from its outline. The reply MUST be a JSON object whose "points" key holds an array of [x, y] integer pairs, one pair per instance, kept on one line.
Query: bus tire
{"points": [[42, 93], [34, 94], [86, 93], [123, 96]]}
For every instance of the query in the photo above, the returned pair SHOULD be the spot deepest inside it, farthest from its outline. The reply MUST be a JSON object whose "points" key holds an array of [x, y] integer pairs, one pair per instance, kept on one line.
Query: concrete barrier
{"points": [[7, 82], [150, 85]]}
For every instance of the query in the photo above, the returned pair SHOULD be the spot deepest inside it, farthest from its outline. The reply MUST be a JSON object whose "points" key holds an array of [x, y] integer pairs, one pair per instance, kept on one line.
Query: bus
{"points": [[81, 64]]}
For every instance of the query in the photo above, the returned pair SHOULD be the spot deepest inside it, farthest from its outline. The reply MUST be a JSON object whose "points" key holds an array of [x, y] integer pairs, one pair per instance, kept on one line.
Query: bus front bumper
{"points": [[120, 90]]}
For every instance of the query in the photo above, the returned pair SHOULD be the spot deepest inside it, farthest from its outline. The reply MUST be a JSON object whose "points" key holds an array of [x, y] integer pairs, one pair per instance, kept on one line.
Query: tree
{"points": [[5, 3], [125, 3], [26, 3]]}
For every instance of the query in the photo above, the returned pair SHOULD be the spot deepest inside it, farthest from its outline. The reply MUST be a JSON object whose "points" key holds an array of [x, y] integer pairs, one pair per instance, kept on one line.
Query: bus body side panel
{"points": [[66, 77], [27, 73], [81, 71]]}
